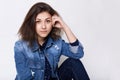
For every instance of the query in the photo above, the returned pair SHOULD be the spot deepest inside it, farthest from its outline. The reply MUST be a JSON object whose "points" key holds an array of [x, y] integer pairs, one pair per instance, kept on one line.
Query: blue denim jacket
{"points": [[30, 62]]}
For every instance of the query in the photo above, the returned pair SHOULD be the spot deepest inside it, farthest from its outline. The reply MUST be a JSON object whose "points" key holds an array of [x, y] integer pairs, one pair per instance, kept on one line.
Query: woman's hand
{"points": [[58, 22]]}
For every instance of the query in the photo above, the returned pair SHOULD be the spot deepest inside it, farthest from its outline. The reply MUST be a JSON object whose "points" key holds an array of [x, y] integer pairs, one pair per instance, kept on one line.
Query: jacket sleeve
{"points": [[73, 50], [23, 72]]}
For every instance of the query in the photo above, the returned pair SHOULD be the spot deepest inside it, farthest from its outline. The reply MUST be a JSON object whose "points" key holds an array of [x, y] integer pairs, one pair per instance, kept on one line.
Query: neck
{"points": [[41, 41]]}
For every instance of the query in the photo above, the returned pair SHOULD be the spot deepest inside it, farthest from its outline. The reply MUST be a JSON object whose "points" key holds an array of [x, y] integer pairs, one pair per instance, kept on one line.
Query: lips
{"points": [[43, 31]]}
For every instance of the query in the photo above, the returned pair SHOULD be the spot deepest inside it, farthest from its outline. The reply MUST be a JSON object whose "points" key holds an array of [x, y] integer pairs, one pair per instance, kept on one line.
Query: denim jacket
{"points": [[30, 61]]}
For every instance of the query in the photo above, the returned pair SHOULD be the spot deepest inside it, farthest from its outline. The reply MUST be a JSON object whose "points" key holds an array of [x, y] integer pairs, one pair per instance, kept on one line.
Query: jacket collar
{"points": [[36, 45]]}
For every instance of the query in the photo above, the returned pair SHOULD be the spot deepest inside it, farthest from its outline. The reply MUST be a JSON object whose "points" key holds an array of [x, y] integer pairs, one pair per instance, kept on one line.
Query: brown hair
{"points": [[27, 30]]}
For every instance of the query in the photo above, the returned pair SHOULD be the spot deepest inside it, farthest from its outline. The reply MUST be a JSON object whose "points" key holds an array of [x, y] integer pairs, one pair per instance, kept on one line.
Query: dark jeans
{"points": [[72, 69]]}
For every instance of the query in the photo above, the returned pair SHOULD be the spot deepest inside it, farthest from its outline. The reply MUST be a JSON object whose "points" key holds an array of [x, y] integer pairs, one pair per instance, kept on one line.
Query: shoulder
{"points": [[58, 40], [19, 44]]}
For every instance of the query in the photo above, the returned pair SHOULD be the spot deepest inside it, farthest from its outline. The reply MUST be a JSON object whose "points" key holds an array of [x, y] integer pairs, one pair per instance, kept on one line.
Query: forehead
{"points": [[43, 15]]}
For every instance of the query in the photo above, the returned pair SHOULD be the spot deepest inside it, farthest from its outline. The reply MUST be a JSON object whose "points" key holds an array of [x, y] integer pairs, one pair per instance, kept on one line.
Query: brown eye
{"points": [[48, 21], [38, 21]]}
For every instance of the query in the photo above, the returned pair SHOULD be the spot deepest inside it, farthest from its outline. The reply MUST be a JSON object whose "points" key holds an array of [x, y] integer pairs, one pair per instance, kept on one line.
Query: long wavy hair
{"points": [[27, 30]]}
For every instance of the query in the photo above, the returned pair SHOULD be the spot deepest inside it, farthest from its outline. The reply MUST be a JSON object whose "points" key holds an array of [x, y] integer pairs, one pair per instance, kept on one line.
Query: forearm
{"points": [[59, 23], [70, 36]]}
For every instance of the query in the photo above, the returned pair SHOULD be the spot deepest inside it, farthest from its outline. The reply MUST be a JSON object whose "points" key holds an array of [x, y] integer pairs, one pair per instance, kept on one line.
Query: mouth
{"points": [[43, 31]]}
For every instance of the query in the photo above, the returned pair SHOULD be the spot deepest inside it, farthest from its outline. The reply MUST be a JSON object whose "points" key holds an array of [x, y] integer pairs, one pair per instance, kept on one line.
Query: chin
{"points": [[44, 36]]}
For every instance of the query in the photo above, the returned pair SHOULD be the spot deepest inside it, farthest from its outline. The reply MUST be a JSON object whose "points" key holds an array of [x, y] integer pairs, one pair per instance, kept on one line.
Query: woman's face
{"points": [[43, 24]]}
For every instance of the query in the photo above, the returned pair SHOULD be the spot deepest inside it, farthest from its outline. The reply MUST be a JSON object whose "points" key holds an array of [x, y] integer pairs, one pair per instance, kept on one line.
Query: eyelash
{"points": [[37, 21], [48, 21]]}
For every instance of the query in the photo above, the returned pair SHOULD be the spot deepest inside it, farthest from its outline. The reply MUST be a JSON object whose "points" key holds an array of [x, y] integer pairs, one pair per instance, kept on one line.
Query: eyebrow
{"points": [[40, 19]]}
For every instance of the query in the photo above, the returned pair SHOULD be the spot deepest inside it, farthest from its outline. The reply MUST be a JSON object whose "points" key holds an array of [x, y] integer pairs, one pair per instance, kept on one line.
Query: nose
{"points": [[43, 25]]}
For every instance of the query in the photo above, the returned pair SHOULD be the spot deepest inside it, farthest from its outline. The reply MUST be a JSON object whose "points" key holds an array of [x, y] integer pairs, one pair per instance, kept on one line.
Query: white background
{"points": [[96, 23]]}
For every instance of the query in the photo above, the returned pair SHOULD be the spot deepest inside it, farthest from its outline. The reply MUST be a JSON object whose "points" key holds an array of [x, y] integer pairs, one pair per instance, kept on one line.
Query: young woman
{"points": [[38, 51]]}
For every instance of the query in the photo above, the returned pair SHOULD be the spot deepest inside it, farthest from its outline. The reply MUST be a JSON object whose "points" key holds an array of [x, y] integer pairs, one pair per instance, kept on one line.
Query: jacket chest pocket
{"points": [[35, 62], [54, 50]]}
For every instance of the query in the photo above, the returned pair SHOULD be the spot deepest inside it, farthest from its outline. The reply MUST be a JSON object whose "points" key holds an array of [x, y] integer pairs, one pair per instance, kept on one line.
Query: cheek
{"points": [[37, 29], [50, 27]]}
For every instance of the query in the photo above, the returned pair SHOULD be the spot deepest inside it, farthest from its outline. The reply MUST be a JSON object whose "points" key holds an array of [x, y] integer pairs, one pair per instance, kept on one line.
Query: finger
{"points": [[53, 22]]}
